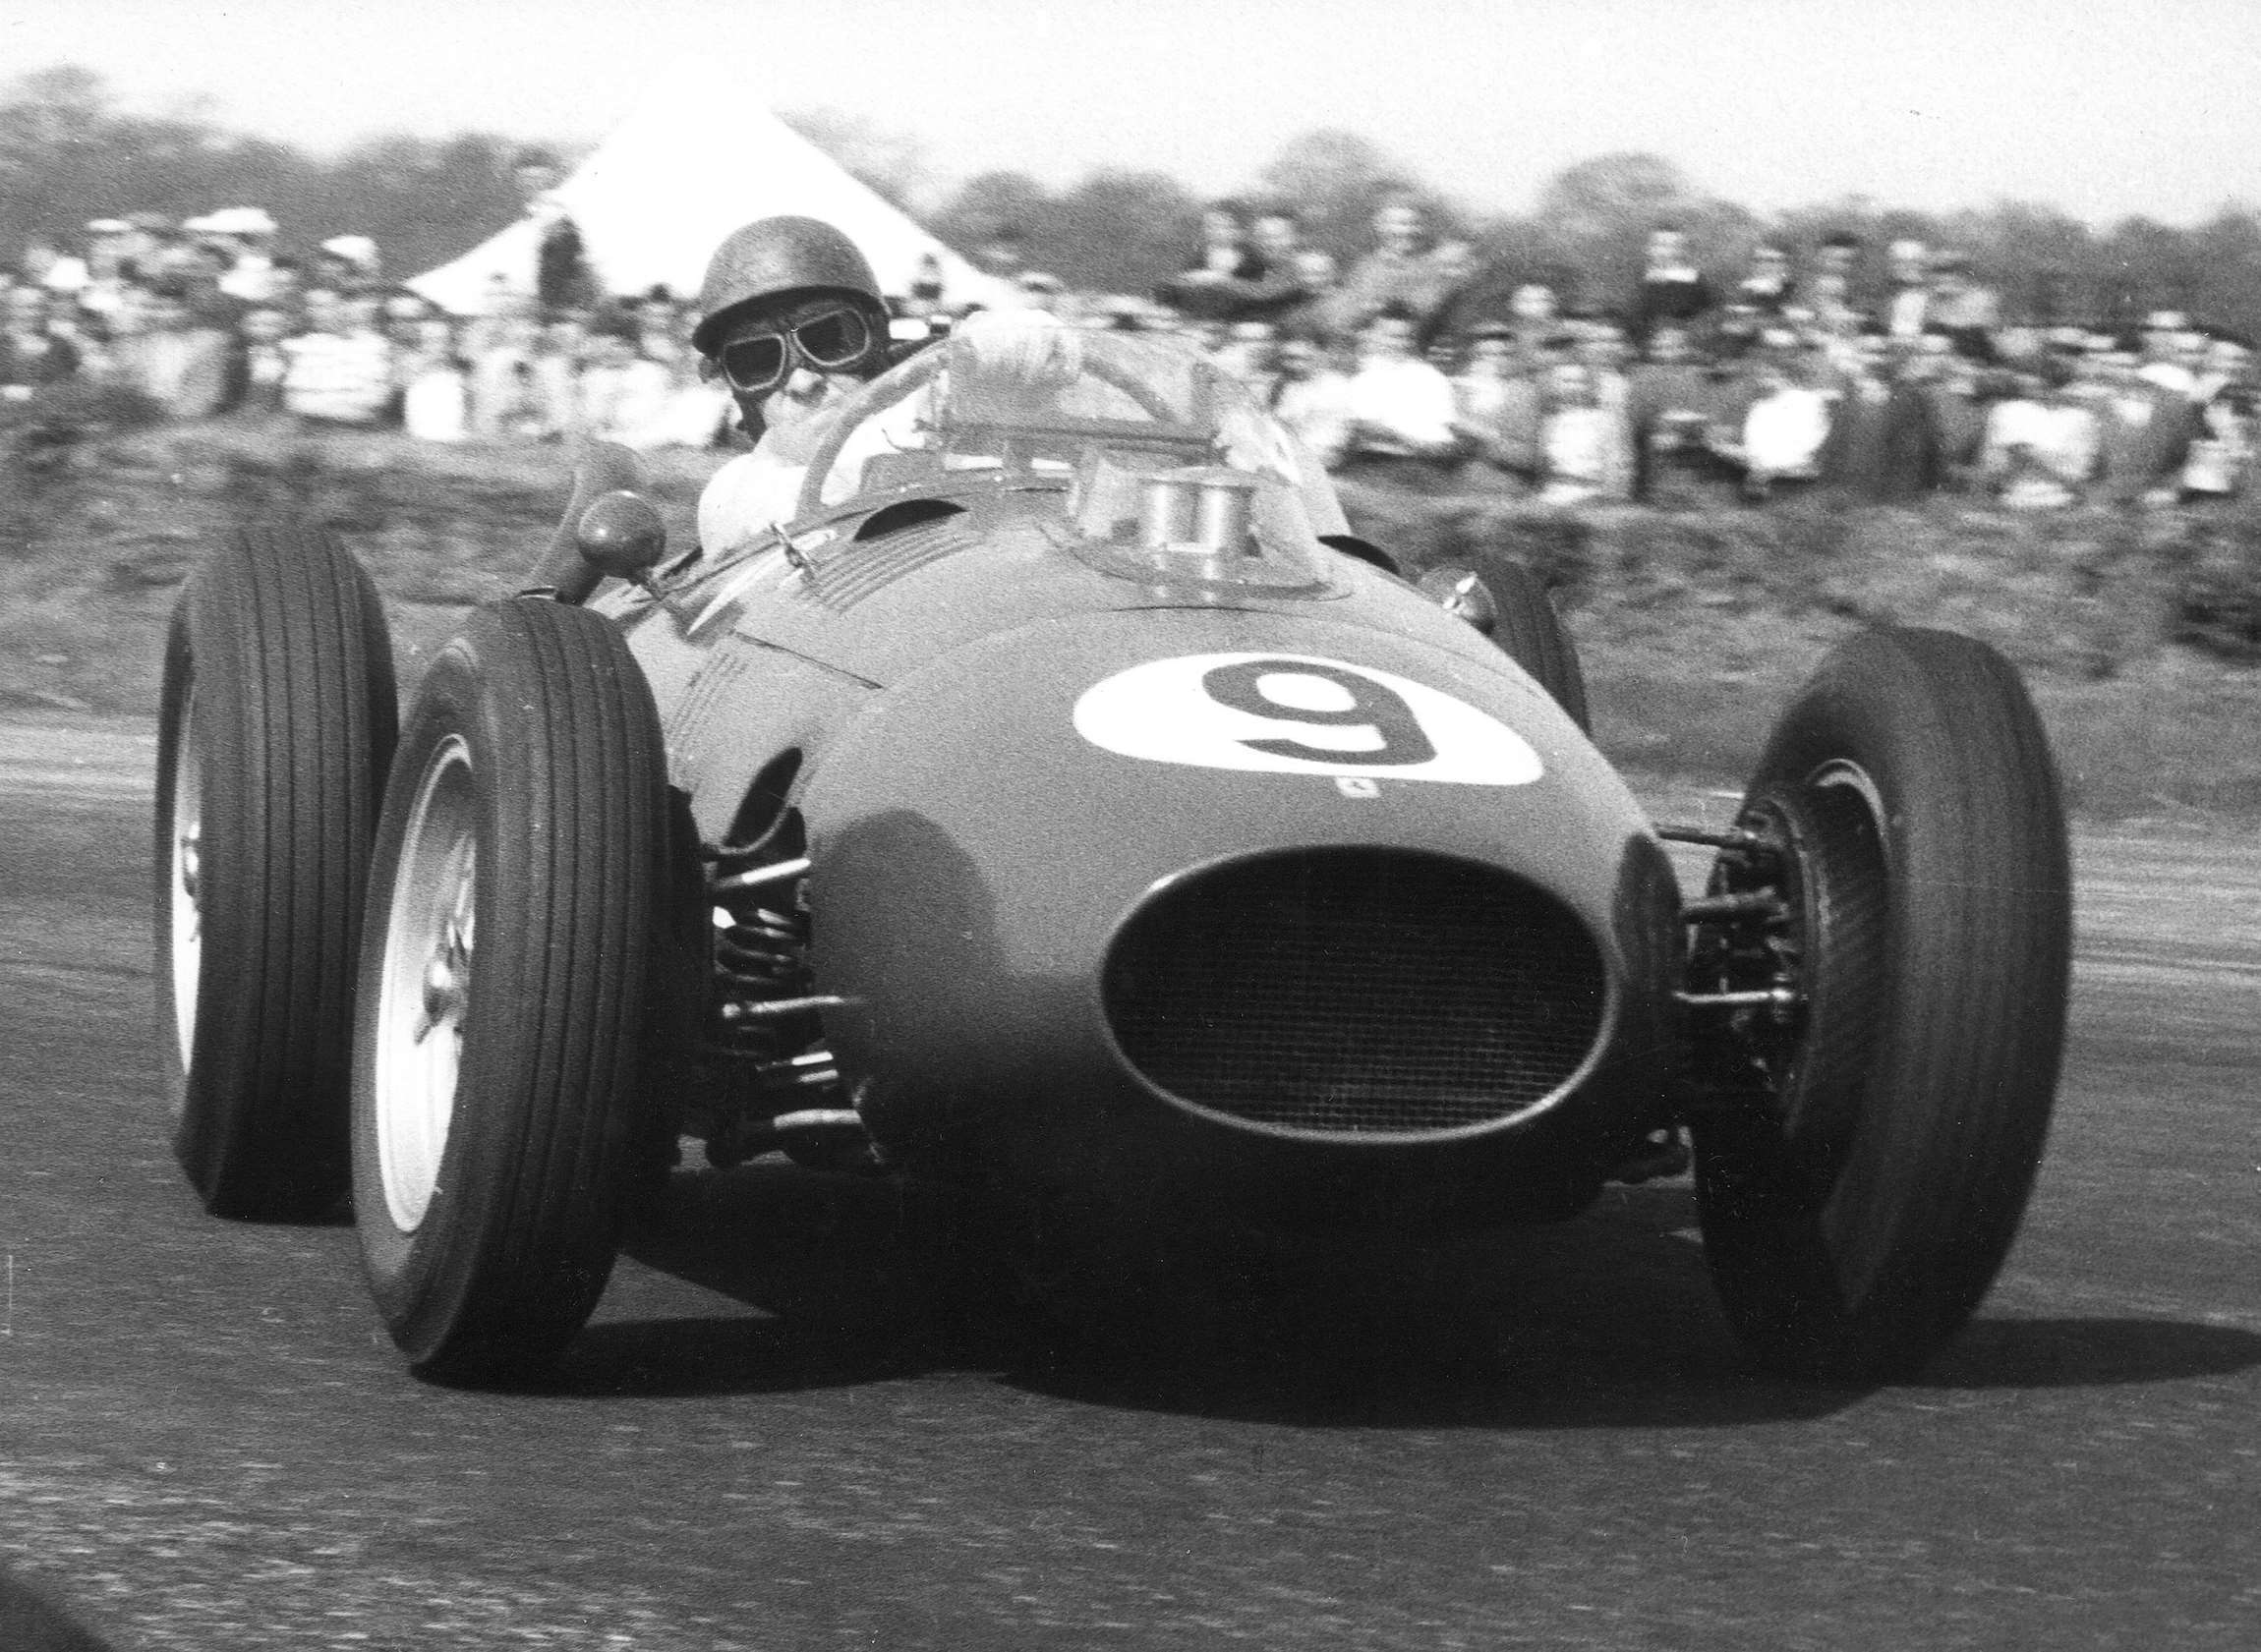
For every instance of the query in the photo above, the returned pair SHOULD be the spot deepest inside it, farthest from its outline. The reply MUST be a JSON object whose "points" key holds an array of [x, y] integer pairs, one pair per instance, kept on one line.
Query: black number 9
{"points": [[1374, 706]]}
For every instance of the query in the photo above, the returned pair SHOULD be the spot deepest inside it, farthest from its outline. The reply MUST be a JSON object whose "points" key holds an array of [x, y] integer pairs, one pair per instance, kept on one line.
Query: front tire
{"points": [[274, 728], [1854, 1221], [518, 873]]}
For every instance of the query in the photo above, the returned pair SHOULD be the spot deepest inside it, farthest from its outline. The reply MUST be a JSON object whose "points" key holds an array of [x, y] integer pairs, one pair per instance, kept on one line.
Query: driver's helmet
{"points": [[778, 258]]}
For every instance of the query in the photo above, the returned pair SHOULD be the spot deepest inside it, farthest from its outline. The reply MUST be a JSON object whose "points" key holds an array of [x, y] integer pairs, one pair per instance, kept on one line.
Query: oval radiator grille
{"points": [[1356, 991]]}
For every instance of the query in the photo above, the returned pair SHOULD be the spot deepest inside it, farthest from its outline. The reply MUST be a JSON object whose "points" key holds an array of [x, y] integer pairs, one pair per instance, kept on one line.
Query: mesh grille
{"points": [[1350, 990]]}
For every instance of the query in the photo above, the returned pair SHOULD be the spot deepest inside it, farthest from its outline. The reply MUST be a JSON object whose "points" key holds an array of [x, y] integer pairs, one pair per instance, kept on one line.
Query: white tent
{"points": [[654, 199]]}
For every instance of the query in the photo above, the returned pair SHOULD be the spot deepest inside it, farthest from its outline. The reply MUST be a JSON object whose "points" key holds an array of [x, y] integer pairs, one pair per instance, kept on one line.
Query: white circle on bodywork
{"points": [[1287, 714]]}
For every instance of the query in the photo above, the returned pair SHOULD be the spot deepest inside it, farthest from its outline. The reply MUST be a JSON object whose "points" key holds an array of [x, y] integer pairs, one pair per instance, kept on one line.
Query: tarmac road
{"points": [[207, 1443]]}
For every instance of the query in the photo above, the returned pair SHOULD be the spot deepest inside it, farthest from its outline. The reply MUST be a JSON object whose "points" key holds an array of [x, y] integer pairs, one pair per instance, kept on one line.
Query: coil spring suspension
{"points": [[760, 957], [785, 1082]]}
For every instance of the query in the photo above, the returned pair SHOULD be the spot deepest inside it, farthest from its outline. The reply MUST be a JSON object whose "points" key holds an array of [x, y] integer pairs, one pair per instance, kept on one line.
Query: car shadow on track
{"points": [[1608, 1321], [2043, 1354]]}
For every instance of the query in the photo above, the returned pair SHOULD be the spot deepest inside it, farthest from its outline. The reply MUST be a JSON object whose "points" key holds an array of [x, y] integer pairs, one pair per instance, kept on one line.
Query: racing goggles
{"points": [[755, 364]]}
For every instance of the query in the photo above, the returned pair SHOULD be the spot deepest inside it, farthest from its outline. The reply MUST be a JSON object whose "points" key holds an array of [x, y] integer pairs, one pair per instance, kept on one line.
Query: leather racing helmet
{"points": [[773, 257]]}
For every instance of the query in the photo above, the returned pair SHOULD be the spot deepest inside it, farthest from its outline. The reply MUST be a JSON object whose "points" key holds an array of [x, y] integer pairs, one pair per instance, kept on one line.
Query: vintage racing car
{"points": [[1064, 797]]}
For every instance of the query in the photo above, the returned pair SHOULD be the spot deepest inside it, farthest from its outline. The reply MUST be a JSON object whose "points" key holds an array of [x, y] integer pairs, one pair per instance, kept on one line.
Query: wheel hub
{"points": [[425, 991], [187, 837]]}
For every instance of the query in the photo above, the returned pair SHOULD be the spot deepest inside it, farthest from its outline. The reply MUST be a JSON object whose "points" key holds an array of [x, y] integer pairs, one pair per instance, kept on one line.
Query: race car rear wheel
{"points": [[1910, 825], [1529, 629], [275, 725], [514, 893]]}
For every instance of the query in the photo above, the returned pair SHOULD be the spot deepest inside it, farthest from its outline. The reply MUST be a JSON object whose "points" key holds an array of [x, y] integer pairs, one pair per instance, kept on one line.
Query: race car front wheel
{"points": [[1906, 896], [516, 880], [274, 730]]}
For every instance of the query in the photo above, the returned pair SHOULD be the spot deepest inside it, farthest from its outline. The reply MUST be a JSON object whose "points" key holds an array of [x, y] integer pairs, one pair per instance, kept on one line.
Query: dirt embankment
{"points": [[2140, 635]]}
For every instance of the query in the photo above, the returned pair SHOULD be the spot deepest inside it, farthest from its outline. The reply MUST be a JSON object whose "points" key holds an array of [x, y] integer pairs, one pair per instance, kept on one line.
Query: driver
{"points": [[793, 323], [791, 319]]}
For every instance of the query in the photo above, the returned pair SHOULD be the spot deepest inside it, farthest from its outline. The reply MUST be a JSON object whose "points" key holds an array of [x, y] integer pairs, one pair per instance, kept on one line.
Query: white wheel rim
{"points": [[1852, 777], [424, 995], [184, 876]]}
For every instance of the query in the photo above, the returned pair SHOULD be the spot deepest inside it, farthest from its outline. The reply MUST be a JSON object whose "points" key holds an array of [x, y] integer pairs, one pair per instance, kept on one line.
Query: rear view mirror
{"points": [[1461, 591], [621, 535]]}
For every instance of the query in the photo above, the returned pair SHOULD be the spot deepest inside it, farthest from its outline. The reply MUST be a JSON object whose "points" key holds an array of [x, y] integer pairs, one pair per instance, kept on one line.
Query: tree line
{"points": [[69, 152]]}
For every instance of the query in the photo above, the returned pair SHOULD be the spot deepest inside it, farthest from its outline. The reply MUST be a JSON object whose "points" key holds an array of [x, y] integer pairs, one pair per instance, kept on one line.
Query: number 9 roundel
{"points": [[1299, 714]]}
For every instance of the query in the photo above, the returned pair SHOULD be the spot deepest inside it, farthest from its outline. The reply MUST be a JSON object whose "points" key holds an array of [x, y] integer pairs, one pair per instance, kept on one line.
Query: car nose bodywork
{"points": [[1301, 913]]}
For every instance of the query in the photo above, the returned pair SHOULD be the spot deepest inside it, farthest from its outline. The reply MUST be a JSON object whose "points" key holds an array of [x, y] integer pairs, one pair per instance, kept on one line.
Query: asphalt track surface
{"points": [[804, 1417]]}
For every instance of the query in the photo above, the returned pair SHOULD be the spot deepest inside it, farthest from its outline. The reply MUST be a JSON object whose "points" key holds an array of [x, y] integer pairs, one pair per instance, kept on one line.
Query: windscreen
{"points": [[1022, 391]]}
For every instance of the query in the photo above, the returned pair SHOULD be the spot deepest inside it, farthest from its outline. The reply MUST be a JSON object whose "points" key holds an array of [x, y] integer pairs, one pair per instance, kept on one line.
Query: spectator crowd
{"points": [[1418, 365], [208, 318], [1884, 374]]}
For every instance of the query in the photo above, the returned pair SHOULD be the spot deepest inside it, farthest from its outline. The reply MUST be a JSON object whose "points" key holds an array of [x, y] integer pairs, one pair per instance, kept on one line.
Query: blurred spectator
{"points": [[331, 270], [1884, 440], [47, 266], [1907, 306], [287, 283], [1474, 296], [1768, 289], [1304, 285], [654, 321], [2221, 449], [1250, 354], [178, 361], [1578, 440], [2145, 430], [926, 288], [1312, 398], [2041, 445], [697, 412], [1830, 293], [624, 394], [554, 377], [1786, 420], [143, 244], [349, 262], [1966, 311], [1498, 411], [1762, 299], [1278, 234], [339, 371], [434, 388], [1226, 251], [244, 237], [1231, 279], [1398, 273], [1316, 270], [1535, 314], [197, 273], [1951, 384], [172, 253], [2164, 352], [1672, 288], [263, 360], [1673, 400], [1606, 353], [107, 267], [500, 346], [1401, 408], [31, 356]]}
